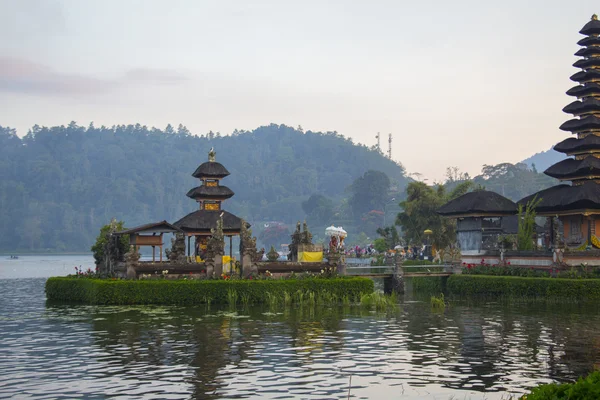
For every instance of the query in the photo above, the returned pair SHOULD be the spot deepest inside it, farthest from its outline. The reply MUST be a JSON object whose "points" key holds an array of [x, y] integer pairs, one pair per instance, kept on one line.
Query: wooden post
{"points": [[188, 247], [153, 258], [161, 251]]}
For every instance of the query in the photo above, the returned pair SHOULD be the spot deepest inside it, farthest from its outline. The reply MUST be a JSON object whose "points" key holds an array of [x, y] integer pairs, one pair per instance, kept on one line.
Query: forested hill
{"points": [[59, 185]]}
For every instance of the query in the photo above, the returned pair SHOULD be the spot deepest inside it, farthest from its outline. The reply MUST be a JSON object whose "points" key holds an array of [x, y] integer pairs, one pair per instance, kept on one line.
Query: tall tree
{"points": [[369, 192], [420, 212]]}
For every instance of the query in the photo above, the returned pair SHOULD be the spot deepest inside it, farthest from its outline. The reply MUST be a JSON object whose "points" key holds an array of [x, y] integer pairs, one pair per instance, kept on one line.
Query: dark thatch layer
{"points": [[581, 124], [204, 220], [588, 51], [478, 202], [572, 168], [590, 104], [585, 76], [574, 145], [210, 192], [589, 41], [587, 63], [210, 169], [592, 27], [154, 227], [566, 197], [589, 89]]}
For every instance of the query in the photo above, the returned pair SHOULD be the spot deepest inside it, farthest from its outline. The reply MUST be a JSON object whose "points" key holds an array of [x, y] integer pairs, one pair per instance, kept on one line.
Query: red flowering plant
{"points": [[88, 273]]}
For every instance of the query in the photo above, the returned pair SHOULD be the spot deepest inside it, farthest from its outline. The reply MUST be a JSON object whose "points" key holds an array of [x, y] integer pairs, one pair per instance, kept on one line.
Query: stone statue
{"points": [[248, 252], [296, 240], [177, 252], [212, 155], [132, 258], [306, 235], [215, 249]]}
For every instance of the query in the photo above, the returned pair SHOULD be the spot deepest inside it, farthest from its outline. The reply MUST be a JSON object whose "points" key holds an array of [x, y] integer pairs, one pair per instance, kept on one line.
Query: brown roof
{"points": [[566, 197], [203, 221], [210, 169], [154, 227], [478, 202]]}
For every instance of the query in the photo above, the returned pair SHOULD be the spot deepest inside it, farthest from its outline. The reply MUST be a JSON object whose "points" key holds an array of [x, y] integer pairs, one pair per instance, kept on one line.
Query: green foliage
{"points": [[379, 301], [527, 225], [584, 389], [381, 245], [369, 192], [390, 235], [522, 287], [59, 185], [438, 302], [428, 284], [274, 235], [109, 291], [318, 209], [104, 236], [420, 213], [514, 181]]}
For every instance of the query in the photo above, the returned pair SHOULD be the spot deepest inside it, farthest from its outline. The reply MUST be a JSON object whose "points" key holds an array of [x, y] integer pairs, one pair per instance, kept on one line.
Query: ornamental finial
{"points": [[594, 17], [211, 155]]}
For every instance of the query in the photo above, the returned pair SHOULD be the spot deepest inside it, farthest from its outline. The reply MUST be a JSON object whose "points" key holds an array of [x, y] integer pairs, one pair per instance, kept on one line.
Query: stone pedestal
{"points": [[398, 277], [131, 273], [218, 265], [337, 261]]}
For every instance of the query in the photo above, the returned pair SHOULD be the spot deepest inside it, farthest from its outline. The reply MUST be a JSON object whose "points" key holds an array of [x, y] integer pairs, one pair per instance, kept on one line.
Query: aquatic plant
{"points": [[378, 300], [438, 302], [232, 297], [584, 388]]}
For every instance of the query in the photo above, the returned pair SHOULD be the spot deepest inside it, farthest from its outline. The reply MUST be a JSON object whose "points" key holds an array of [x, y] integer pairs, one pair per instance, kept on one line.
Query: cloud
{"points": [[27, 77]]}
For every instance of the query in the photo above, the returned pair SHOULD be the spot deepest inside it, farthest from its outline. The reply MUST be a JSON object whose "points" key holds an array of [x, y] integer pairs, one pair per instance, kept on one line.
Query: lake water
{"points": [[469, 351]]}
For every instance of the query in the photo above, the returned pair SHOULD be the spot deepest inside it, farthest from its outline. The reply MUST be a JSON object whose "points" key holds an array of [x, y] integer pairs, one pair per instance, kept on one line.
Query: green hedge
{"points": [[514, 286], [106, 291], [429, 284], [583, 389]]}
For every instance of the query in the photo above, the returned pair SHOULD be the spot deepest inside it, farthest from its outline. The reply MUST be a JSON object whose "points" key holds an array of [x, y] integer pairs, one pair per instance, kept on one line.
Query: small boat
{"points": [[14, 257]]}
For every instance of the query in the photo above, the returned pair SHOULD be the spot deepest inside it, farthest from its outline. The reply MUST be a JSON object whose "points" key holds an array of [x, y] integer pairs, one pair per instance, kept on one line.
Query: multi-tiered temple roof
{"points": [[210, 195], [583, 170]]}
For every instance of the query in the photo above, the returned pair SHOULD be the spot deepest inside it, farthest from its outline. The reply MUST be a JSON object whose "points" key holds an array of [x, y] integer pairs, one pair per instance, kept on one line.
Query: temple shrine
{"points": [[577, 205], [210, 196]]}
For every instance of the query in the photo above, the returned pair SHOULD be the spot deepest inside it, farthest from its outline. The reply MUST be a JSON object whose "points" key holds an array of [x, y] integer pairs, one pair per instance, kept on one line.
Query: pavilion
{"points": [[210, 196], [577, 205]]}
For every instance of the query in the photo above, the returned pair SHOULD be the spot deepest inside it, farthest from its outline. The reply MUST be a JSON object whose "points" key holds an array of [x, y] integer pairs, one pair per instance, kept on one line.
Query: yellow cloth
{"points": [[198, 259], [310, 256], [228, 264]]}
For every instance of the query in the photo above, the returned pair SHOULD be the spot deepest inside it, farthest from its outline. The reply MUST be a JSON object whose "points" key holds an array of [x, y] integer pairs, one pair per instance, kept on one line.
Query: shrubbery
{"points": [[579, 272], [584, 389], [113, 291], [520, 287]]}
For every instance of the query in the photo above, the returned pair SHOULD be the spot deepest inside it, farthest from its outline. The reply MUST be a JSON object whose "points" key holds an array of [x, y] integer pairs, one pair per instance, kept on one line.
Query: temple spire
{"points": [[212, 155]]}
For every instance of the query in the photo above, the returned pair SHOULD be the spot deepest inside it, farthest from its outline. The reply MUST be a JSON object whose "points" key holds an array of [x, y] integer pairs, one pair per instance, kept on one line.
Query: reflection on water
{"points": [[468, 351]]}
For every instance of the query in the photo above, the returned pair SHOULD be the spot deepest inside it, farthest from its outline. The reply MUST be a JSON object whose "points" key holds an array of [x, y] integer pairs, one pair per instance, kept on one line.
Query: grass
{"points": [[438, 302], [379, 301]]}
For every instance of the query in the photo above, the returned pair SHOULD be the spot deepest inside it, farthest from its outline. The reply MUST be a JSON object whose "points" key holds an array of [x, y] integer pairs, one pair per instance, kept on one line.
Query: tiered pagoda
{"points": [[577, 204], [210, 196]]}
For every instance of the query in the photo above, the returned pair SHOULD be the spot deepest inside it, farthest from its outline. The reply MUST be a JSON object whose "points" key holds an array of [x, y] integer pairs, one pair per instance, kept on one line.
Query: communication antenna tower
{"points": [[390, 146], [378, 136]]}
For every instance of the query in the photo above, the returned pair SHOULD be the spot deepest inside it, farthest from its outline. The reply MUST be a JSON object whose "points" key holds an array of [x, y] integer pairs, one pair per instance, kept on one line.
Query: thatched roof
{"points": [[587, 62], [592, 27], [210, 169], [590, 41], [210, 192], [578, 107], [154, 227], [588, 51], [585, 76], [581, 124], [574, 145], [584, 90], [480, 202], [572, 168], [203, 221], [562, 198]]}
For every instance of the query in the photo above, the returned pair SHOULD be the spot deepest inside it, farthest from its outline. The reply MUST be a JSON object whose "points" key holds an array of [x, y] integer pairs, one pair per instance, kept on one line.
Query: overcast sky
{"points": [[457, 83]]}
